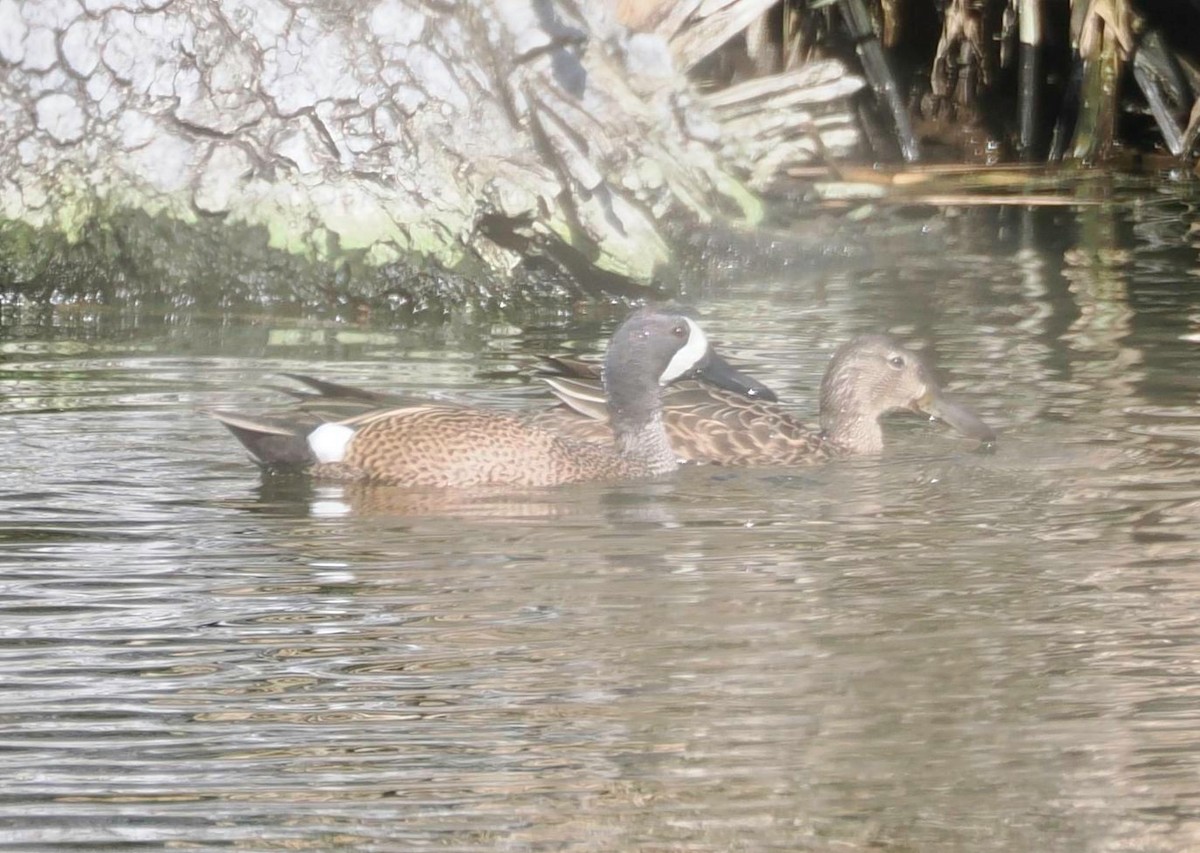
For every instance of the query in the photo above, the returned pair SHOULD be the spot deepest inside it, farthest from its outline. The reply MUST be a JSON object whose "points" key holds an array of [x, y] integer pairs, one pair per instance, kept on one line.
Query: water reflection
{"points": [[937, 650]]}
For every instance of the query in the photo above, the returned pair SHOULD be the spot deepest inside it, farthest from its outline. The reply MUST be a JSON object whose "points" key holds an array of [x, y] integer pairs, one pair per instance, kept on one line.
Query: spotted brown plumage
{"points": [[459, 447]]}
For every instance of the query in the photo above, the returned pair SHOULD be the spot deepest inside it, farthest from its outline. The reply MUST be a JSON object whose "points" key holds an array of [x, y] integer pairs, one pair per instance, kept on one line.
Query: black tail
{"points": [[273, 442]]}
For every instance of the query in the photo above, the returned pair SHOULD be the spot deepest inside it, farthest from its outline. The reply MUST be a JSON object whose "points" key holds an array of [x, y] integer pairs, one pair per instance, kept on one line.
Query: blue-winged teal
{"points": [[446, 445], [867, 378]]}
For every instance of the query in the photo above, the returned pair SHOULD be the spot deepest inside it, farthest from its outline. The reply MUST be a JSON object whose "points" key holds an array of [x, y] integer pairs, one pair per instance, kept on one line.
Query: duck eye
{"points": [[679, 331], [896, 361]]}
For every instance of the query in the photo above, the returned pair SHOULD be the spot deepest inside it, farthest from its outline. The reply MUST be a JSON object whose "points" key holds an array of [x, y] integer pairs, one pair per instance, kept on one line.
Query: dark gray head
{"points": [[873, 375], [657, 346], [652, 348]]}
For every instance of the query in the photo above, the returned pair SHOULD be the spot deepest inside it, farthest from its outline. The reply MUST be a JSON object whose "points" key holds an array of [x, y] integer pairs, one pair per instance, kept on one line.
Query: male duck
{"points": [[867, 378], [456, 446]]}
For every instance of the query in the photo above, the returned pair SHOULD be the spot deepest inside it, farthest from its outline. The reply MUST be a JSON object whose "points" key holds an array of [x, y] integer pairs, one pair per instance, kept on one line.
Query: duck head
{"points": [[657, 346], [873, 375]]}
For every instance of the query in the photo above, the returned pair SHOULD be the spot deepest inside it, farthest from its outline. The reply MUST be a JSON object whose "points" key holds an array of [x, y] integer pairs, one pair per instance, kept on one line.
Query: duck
{"points": [[867, 378], [457, 446]]}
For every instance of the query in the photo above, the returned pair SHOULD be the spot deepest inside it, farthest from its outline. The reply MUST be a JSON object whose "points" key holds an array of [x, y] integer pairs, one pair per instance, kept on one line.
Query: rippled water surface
{"points": [[938, 650]]}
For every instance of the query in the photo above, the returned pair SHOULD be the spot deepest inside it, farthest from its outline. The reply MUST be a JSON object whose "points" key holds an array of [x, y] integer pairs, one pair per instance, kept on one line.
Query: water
{"points": [[939, 650]]}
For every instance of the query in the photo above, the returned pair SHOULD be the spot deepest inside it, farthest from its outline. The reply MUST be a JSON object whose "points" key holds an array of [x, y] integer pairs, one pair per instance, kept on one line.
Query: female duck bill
{"points": [[937, 405]]}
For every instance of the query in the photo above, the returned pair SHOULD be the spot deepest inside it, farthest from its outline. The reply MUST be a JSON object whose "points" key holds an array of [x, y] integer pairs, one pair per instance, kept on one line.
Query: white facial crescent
{"points": [[688, 356]]}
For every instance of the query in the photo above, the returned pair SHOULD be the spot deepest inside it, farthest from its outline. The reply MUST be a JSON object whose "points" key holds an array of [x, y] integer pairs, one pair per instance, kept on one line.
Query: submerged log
{"points": [[471, 136]]}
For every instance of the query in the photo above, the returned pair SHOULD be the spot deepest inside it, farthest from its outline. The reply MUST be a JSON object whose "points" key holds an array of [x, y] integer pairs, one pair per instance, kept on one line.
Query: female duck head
{"points": [[873, 375]]}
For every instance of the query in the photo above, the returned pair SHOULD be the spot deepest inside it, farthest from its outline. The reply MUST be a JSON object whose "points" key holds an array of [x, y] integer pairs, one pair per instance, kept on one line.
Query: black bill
{"points": [[715, 369]]}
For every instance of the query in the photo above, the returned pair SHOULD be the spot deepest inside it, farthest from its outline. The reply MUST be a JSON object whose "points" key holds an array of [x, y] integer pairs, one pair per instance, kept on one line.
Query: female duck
{"points": [[445, 445], [867, 378]]}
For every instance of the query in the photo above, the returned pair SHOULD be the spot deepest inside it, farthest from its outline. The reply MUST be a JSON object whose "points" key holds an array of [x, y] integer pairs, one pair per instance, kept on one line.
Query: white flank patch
{"points": [[328, 442], [688, 355]]}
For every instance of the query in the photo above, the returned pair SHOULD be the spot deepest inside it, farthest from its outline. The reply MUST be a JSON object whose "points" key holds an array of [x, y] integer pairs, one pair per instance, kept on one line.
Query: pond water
{"points": [[938, 650]]}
